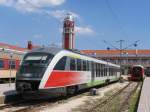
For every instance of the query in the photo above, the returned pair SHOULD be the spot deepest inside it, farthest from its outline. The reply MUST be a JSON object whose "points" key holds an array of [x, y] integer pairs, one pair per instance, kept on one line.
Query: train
{"points": [[51, 68], [137, 73]]}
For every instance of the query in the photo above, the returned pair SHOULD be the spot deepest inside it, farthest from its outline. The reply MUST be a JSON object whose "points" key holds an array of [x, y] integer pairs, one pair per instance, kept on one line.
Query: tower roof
{"points": [[69, 17]]}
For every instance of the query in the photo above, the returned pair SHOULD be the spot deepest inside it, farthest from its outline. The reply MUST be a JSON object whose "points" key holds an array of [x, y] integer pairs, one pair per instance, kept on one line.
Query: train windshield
{"points": [[137, 71], [35, 64]]}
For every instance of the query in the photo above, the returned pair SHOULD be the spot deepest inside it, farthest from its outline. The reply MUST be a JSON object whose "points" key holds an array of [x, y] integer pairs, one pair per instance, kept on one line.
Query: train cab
{"points": [[137, 73]]}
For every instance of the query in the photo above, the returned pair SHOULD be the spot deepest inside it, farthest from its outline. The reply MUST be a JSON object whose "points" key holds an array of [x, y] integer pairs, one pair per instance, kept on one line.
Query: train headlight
{"points": [[27, 75]]}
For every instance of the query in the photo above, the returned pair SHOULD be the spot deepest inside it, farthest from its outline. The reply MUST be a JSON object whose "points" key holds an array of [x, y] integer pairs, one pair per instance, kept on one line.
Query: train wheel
{"points": [[72, 90]]}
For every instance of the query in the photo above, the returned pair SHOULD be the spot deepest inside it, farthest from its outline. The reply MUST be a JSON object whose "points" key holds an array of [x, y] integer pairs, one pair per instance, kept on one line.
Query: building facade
{"points": [[126, 58], [10, 57]]}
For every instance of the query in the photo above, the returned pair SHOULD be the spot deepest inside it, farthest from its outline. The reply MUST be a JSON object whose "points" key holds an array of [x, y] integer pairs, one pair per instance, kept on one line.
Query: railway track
{"points": [[19, 104], [107, 104], [26, 105]]}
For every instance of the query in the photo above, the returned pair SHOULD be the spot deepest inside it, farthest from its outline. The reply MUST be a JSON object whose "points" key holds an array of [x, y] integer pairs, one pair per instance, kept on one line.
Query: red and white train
{"points": [[55, 68], [137, 73]]}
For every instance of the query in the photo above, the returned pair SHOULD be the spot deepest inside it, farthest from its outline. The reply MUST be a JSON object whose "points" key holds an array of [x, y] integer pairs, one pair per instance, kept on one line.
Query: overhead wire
{"points": [[115, 16]]}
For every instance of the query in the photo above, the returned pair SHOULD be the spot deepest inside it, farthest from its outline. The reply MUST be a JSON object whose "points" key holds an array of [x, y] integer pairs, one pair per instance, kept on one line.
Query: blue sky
{"points": [[96, 20]]}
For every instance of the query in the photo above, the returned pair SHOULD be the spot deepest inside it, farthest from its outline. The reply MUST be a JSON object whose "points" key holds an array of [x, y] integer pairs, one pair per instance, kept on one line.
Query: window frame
{"points": [[12, 64]]}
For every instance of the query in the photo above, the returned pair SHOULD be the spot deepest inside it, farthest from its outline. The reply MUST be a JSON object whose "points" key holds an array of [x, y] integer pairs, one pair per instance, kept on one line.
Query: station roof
{"points": [[12, 47], [116, 52]]}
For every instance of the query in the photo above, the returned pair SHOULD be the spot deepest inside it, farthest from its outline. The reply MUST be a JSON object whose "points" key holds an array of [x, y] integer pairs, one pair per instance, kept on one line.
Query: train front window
{"points": [[34, 64], [37, 58], [137, 71]]}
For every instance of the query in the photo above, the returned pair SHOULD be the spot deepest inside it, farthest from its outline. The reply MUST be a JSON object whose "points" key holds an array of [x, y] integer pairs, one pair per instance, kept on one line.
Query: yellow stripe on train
{"points": [[74, 56]]}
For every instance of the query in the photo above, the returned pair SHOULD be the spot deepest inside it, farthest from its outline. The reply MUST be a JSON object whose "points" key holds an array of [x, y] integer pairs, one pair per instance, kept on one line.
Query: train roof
{"points": [[55, 50], [52, 50], [138, 66]]}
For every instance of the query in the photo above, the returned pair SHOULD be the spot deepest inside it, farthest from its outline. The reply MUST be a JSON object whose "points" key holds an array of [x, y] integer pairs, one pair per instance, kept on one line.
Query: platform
{"points": [[7, 93], [144, 102]]}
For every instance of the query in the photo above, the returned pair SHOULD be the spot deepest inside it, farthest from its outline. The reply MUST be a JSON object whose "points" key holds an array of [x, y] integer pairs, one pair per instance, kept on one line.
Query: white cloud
{"points": [[84, 30], [60, 14], [3, 1], [38, 6], [31, 5]]}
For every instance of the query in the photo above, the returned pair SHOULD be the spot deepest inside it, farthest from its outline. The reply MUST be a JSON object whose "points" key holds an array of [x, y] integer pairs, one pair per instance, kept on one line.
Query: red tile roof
{"points": [[143, 52], [13, 47]]}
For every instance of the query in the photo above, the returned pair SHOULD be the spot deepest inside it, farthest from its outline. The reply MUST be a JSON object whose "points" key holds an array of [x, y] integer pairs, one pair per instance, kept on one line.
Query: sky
{"points": [[96, 21]]}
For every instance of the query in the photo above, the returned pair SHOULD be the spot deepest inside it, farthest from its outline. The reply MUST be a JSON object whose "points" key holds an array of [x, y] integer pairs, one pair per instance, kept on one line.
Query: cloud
{"points": [[31, 5], [60, 14], [38, 6], [84, 30], [3, 1]]}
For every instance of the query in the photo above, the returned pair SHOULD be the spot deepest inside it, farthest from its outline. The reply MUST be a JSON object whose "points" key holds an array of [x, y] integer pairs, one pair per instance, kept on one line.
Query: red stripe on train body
{"points": [[64, 78]]}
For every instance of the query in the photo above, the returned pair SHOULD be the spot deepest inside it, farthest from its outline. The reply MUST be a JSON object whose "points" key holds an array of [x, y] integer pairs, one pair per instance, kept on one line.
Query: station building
{"points": [[10, 57], [126, 58]]}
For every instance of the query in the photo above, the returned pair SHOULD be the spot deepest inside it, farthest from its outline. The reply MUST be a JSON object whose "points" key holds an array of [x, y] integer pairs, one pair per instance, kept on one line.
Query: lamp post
{"points": [[136, 52], [125, 62], [10, 69]]}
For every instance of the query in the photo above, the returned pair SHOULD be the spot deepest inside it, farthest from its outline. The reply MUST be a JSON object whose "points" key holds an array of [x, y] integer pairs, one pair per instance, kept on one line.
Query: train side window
{"points": [[12, 64], [84, 65], [87, 65], [92, 69], [61, 64], [99, 73], [105, 71], [102, 70], [95, 68], [72, 64], [1, 64], [110, 71], [79, 64]]}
